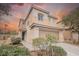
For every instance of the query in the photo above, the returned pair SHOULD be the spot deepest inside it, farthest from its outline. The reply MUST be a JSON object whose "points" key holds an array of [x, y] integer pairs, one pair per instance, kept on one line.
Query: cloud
{"points": [[57, 10]]}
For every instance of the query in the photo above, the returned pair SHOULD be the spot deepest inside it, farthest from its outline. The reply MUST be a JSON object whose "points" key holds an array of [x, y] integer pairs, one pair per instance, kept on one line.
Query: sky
{"points": [[55, 9]]}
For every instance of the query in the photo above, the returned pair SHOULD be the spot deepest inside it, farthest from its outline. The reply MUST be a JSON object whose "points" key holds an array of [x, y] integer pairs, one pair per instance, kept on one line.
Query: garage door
{"points": [[44, 33]]}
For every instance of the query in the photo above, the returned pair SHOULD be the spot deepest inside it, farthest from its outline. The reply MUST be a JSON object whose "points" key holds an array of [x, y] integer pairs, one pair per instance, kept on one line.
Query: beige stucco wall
{"points": [[61, 36], [36, 32], [31, 34], [53, 33], [67, 34], [33, 18], [75, 36], [70, 35]]}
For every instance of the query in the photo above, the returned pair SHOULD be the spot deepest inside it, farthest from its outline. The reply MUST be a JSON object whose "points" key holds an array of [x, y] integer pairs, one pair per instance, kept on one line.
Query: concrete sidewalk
{"points": [[72, 50]]}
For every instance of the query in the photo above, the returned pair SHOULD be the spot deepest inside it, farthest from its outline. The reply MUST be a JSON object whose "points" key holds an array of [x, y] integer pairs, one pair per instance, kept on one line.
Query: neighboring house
{"points": [[39, 23]]}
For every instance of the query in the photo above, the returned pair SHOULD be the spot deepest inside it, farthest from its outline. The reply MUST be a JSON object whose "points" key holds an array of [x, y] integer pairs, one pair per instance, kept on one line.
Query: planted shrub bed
{"points": [[59, 51], [15, 41], [56, 51], [45, 48], [11, 50]]}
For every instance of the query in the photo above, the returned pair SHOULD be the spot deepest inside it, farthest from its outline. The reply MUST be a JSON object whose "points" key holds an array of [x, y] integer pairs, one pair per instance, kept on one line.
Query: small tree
{"points": [[39, 43], [5, 8], [50, 39], [45, 44], [72, 21]]}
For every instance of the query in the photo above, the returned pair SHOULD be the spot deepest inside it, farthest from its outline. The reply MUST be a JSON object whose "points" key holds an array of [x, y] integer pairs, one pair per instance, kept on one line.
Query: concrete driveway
{"points": [[72, 50]]}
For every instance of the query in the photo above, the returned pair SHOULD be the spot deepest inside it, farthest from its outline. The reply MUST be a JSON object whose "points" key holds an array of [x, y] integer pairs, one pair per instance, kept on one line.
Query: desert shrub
{"points": [[59, 51], [46, 48], [45, 44], [39, 43], [15, 40], [50, 40], [13, 51]]}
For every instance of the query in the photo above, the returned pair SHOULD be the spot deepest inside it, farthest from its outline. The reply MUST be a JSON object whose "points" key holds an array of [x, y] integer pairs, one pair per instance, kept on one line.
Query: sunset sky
{"points": [[56, 9]]}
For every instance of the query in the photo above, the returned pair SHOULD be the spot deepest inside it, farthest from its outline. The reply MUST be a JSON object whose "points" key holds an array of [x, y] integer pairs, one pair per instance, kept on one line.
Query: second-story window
{"points": [[40, 16]]}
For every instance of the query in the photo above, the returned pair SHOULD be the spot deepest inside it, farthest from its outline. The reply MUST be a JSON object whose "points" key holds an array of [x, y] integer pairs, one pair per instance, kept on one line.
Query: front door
{"points": [[23, 34]]}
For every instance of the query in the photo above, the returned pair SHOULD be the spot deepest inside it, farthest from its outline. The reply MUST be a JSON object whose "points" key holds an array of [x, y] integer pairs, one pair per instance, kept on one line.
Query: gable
{"points": [[36, 9]]}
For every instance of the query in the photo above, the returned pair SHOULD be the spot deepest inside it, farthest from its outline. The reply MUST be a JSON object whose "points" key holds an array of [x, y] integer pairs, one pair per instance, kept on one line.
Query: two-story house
{"points": [[39, 23]]}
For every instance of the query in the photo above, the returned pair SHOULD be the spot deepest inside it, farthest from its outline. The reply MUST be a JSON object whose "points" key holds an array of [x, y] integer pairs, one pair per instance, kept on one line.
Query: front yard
{"points": [[16, 48], [58, 49], [13, 50]]}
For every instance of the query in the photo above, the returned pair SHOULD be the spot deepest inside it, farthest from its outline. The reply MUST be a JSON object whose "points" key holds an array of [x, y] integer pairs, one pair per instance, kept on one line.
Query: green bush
{"points": [[46, 48], [58, 51], [13, 51], [15, 40], [51, 39], [39, 43]]}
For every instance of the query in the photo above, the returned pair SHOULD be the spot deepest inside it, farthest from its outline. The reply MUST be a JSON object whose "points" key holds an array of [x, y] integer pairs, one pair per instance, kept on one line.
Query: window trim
{"points": [[40, 16]]}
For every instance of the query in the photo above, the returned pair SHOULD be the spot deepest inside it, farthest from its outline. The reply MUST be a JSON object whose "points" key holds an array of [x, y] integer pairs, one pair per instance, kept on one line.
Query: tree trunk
{"points": [[50, 50]]}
